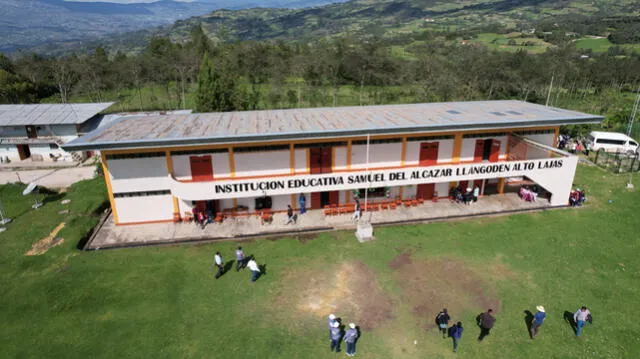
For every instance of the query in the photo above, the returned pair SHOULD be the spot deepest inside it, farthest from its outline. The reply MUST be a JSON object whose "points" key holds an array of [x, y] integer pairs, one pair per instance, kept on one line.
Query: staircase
{"points": [[76, 156]]}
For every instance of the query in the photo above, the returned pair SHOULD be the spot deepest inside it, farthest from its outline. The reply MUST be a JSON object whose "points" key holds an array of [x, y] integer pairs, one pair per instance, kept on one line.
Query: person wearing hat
{"points": [[336, 334], [350, 338], [537, 321], [332, 319], [468, 196]]}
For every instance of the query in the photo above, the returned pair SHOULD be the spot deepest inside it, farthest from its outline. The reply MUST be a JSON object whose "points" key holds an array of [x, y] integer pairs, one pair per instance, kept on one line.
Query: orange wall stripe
{"points": [[292, 159], [232, 162], [107, 180], [349, 144]]}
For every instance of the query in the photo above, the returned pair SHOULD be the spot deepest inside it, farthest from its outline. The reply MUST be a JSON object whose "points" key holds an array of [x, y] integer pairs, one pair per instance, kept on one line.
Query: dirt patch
{"points": [[429, 286], [400, 260], [47, 242], [350, 292], [304, 238]]}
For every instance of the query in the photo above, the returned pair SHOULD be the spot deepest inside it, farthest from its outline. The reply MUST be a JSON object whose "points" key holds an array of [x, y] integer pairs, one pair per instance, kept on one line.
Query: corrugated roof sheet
{"points": [[49, 114], [247, 126]]}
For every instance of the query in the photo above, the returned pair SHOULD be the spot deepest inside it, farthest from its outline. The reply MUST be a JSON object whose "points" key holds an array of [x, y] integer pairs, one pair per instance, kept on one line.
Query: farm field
{"points": [[603, 45], [164, 302]]}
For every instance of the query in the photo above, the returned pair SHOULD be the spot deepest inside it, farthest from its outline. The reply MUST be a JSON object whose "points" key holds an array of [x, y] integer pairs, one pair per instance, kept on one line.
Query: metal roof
{"points": [[49, 114], [251, 126]]}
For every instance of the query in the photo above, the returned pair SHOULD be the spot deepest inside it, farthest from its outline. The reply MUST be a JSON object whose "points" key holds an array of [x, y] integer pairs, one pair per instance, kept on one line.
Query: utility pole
{"points": [[549, 94]]}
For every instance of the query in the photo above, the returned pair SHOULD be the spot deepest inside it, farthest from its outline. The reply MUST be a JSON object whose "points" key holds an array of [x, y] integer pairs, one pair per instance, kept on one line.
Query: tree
{"points": [[216, 92]]}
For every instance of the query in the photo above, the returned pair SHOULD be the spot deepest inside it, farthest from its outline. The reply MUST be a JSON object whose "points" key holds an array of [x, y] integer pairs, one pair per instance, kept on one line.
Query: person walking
{"points": [[290, 216], [442, 320], [240, 259], [357, 211], [220, 264], [476, 193], [332, 319], [336, 334], [580, 317], [537, 321], [486, 321], [455, 332], [350, 338], [302, 200], [253, 267]]}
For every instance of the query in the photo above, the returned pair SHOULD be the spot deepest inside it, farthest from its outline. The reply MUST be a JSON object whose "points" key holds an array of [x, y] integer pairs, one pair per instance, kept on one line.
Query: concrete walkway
{"points": [[50, 178], [110, 235]]}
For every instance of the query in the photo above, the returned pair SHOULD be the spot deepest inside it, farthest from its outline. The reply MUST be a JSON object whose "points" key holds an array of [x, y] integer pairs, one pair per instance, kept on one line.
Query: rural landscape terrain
{"points": [[59, 301]]}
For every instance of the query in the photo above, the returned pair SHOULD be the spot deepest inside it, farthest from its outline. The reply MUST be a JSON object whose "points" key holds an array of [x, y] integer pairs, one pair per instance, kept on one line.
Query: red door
{"points": [[426, 191], [321, 162], [495, 151], [201, 168], [477, 155], [429, 153], [463, 185], [428, 157]]}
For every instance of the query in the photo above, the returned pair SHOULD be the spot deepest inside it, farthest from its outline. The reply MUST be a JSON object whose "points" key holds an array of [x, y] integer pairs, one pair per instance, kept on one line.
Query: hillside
{"points": [[399, 18], [29, 23]]}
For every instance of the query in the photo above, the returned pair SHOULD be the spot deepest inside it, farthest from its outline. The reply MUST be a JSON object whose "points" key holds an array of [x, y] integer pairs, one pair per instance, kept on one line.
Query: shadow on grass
{"points": [[228, 266], [528, 321], [568, 317]]}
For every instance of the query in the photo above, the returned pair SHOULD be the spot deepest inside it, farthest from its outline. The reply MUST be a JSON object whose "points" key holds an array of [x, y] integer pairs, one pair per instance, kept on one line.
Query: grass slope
{"points": [[164, 303]]}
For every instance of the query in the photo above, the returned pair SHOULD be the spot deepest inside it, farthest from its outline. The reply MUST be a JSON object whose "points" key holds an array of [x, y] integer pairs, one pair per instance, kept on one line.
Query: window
{"points": [[53, 146], [199, 152], [429, 138], [142, 194], [261, 148], [606, 141], [488, 134], [373, 192], [633, 143], [320, 144], [374, 142], [536, 132], [135, 155]]}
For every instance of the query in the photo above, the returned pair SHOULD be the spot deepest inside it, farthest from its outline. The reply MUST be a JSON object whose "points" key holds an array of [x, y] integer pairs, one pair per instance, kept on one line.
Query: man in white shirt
{"points": [[253, 267], [580, 317], [219, 264]]}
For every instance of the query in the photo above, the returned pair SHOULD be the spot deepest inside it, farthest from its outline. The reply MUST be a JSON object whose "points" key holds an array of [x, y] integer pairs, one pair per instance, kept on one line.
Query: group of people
{"points": [[201, 218], [529, 193], [565, 142], [241, 262], [577, 197], [459, 195], [336, 333], [486, 321]]}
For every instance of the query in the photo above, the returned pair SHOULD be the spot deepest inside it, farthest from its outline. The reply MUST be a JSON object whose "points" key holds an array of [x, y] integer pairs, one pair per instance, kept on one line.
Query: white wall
{"points": [[262, 163], [300, 158], [380, 155], [181, 167], [469, 147], [144, 209], [545, 139], [340, 158], [409, 191], [138, 174], [65, 132], [443, 189]]}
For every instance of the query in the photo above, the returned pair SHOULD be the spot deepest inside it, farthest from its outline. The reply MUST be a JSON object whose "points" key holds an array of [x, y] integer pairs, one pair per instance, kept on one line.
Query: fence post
{"points": [[619, 164], [596, 159], [633, 162]]}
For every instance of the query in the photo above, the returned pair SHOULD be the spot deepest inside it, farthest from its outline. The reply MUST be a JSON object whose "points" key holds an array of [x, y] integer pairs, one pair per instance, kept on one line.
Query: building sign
{"points": [[548, 168]]}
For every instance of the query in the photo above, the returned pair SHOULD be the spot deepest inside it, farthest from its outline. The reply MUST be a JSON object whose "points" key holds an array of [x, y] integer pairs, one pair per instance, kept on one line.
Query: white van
{"points": [[611, 142]]}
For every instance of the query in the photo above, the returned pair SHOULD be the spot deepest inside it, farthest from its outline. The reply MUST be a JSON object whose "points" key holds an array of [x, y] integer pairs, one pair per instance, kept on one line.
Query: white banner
{"points": [[548, 168]]}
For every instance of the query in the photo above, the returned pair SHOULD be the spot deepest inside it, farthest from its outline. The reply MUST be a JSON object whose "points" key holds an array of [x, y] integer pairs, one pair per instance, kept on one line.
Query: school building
{"points": [[37, 132], [157, 168]]}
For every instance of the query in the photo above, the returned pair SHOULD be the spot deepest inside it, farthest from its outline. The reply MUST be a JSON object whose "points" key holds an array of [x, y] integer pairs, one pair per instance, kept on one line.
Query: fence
{"points": [[615, 162]]}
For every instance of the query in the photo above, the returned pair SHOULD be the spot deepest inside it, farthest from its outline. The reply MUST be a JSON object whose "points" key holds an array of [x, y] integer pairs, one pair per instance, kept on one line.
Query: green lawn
{"points": [[500, 42], [164, 303], [603, 45]]}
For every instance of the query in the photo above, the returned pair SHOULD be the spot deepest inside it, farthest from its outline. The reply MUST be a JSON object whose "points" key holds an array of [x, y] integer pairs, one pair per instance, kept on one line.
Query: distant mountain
{"points": [[29, 23]]}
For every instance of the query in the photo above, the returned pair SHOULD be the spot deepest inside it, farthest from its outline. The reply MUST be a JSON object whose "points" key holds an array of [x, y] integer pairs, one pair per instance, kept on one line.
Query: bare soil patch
{"points": [[350, 292], [47, 242], [429, 286]]}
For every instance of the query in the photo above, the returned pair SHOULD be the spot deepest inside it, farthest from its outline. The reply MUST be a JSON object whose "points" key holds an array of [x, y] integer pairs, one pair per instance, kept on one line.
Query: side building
{"points": [[157, 168], [37, 132]]}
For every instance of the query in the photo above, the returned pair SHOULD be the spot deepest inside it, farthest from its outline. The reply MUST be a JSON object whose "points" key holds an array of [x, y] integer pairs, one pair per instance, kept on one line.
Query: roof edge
{"points": [[80, 144]]}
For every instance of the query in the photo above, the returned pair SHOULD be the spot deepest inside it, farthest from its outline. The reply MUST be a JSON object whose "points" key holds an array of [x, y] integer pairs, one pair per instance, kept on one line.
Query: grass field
{"points": [[602, 45], [164, 302], [500, 42]]}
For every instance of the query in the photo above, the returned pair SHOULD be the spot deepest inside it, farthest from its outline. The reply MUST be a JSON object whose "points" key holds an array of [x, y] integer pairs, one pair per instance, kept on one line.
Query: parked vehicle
{"points": [[612, 142]]}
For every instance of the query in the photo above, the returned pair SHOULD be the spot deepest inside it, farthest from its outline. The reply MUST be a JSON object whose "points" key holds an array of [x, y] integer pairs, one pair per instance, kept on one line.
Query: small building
{"points": [[38, 131], [157, 168]]}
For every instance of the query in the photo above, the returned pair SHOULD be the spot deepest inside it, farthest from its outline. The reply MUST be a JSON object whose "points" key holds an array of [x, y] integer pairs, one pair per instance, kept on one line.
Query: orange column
{"points": [[176, 205], [455, 154], [107, 180]]}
